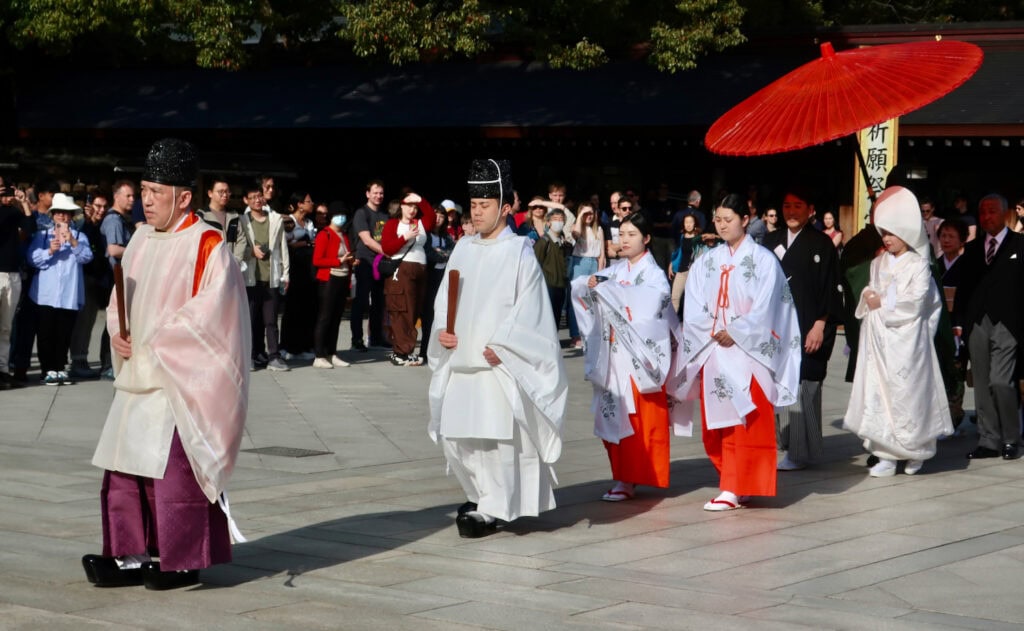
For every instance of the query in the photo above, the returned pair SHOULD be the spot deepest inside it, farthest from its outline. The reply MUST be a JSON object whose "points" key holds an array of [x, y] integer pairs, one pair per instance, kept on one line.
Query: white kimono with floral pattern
{"points": [[744, 292], [629, 326]]}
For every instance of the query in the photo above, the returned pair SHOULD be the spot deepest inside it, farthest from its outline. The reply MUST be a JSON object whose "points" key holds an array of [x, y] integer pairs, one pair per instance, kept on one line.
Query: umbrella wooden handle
{"points": [[122, 318], [453, 299]]}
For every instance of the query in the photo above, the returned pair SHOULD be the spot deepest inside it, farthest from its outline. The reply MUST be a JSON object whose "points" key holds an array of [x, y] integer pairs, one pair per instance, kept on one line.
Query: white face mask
{"points": [[556, 226], [338, 220]]}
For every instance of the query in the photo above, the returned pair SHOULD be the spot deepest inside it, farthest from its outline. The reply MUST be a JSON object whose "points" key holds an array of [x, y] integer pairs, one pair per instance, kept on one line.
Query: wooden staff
{"points": [[453, 298], [122, 318]]}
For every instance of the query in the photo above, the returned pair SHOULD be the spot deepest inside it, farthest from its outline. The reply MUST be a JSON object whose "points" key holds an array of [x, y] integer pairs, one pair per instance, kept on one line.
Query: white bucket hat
{"points": [[62, 201]]}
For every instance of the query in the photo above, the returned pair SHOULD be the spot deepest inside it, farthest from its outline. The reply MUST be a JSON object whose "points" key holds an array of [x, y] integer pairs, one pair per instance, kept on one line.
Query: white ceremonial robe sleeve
{"points": [[526, 341], [204, 351]]}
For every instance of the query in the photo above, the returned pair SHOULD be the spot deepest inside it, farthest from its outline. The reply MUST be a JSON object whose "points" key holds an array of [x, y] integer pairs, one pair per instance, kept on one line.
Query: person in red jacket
{"points": [[333, 261], [403, 240]]}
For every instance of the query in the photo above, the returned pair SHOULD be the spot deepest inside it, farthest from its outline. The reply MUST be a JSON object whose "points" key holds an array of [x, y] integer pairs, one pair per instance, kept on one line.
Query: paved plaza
{"points": [[362, 536]]}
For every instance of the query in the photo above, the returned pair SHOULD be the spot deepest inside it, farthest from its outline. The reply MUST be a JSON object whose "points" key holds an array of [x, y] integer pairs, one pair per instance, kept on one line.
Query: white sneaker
{"points": [[913, 466], [338, 362], [789, 465], [883, 469], [322, 362]]}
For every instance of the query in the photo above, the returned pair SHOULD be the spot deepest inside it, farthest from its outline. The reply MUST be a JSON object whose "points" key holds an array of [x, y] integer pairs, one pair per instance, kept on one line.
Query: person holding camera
{"points": [[262, 251], [59, 288], [403, 241]]}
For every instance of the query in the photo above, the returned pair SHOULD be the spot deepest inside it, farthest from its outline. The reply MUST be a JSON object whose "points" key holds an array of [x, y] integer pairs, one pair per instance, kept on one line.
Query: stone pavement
{"points": [[362, 537]]}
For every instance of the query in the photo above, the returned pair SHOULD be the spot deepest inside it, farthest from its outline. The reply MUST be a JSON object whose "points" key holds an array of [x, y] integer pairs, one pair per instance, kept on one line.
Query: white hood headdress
{"points": [[898, 213]]}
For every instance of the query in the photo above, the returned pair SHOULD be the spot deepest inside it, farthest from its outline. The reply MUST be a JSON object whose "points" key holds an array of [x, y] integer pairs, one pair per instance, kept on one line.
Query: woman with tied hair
{"points": [[404, 240], [630, 330], [898, 404], [741, 355]]}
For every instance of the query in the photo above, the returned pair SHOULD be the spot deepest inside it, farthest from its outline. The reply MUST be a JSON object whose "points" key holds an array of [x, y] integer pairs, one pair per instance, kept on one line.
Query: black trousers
{"points": [[54, 337], [369, 299], [332, 293]]}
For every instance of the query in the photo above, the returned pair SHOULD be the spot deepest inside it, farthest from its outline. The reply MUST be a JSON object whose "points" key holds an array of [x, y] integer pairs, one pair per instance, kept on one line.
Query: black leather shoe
{"points": [[1011, 451], [153, 578], [467, 507], [982, 452], [104, 572], [474, 526]]}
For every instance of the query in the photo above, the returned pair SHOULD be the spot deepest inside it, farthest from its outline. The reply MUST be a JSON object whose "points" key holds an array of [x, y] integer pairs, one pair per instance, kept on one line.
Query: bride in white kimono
{"points": [[741, 355], [898, 404], [630, 330]]}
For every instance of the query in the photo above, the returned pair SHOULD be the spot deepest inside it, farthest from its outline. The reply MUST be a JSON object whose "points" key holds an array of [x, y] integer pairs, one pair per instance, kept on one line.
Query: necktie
{"points": [[990, 253]]}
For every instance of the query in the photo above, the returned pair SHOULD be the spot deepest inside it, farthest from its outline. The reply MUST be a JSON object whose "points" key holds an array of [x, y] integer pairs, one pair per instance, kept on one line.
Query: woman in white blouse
{"points": [[587, 257]]}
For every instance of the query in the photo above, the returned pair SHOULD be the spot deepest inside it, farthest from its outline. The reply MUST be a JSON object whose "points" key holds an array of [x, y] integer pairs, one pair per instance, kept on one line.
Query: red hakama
{"points": [[744, 455], [643, 458]]}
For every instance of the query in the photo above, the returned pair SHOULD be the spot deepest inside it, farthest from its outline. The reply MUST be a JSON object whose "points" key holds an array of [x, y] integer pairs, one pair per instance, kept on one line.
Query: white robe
{"points": [[503, 305], [757, 310], [629, 325], [898, 403]]}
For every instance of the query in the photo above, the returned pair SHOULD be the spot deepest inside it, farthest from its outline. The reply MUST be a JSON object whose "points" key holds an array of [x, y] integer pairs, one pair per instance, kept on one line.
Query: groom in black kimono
{"points": [[811, 264]]}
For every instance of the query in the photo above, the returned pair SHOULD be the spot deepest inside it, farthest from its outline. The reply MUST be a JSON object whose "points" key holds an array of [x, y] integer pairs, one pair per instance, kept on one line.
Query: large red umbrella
{"points": [[842, 93]]}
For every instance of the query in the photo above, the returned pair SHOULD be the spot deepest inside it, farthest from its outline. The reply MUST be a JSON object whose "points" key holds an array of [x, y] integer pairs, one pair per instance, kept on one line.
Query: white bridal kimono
{"points": [[634, 303], [897, 403], [500, 426], [746, 293]]}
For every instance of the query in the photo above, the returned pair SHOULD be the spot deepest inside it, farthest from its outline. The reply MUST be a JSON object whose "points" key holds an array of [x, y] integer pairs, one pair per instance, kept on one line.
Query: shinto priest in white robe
{"points": [[898, 404], [500, 426], [748, 292]]}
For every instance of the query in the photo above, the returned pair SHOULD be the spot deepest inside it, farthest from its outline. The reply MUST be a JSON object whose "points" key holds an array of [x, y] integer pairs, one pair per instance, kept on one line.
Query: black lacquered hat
{"points": [[172, 161], [491, 179]]}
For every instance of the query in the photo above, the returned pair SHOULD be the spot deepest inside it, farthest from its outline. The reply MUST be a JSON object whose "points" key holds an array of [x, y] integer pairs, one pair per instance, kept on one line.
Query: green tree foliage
{"points": [[576, 34], [920, 11]]}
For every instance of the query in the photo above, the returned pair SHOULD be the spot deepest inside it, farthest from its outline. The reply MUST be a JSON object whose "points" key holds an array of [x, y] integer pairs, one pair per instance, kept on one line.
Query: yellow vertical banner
{"points": [[878, 147]]}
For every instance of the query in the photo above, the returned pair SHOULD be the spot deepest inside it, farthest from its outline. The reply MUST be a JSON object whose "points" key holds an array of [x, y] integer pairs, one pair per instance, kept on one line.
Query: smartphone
{"points": [[600, 279]]}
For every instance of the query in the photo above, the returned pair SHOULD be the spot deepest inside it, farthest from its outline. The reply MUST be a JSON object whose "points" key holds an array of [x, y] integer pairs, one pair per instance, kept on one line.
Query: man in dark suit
{"points": [[811, 266], [988, 312]]}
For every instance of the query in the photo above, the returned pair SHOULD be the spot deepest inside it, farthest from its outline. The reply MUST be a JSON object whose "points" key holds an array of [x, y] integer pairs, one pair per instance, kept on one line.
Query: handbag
{"points": [[385, 266]]}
